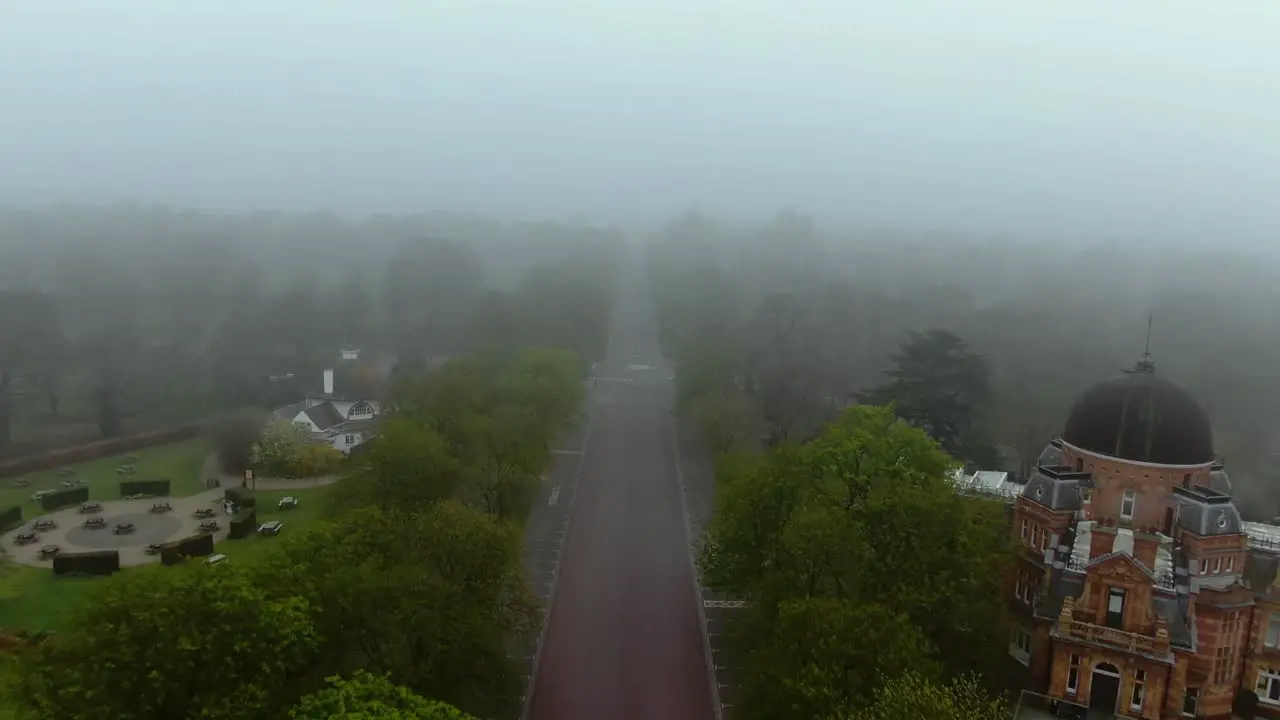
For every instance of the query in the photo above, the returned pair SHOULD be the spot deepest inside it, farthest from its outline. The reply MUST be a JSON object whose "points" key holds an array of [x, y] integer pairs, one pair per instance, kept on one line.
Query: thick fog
{"points": [[1141, 120]]}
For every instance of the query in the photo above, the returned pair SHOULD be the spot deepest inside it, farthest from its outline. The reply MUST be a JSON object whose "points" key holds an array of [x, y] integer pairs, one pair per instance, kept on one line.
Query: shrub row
{"points": [[144, 487], [65, 497], [198, 545], [96, 562], [10, 518], [95, 450]]}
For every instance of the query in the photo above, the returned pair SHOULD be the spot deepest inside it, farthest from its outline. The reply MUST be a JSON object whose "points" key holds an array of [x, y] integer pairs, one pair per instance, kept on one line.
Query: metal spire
{"points": [[1146, 364]]}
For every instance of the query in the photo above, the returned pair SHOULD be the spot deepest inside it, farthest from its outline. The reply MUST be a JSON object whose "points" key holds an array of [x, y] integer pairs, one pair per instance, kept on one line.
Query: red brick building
{"points": [[1139, 589]]}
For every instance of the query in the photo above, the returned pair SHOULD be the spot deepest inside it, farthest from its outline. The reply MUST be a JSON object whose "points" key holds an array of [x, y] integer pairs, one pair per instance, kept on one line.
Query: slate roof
{"points": [[1057, 487], [324, 415], [1205, 511]]}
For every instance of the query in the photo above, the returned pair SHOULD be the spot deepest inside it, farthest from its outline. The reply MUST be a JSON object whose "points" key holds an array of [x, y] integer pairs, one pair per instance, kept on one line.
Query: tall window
{"points": [[1230, 564], [1115, 608], [1268, 687], [1025, 528], [1191, 702], [1020, 648], [1204, 567], [1139, 690], [1126, 504], [1273, 631], [1073, 675]]}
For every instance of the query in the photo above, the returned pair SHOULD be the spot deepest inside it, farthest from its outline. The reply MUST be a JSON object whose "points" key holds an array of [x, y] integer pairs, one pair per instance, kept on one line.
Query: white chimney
{"points": [[328, 382]]}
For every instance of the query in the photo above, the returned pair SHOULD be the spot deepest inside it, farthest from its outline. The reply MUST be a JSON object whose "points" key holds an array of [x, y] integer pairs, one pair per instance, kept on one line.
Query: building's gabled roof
{"points": [[324, 415], [289, 412], [1102, 559]]}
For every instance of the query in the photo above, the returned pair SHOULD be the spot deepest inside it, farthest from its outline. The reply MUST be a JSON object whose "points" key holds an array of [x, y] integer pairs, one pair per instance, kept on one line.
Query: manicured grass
{"points": [[33, 599], [311, 508], [180, 462]]}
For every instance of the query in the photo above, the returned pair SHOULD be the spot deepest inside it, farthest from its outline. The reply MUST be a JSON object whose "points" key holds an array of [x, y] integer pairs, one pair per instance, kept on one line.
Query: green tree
{"points": [[166, 643], [862, 517], [370, 696], [941, 387], [912, 696], [234, 437], [818, 657], [432, 597], [409, 466], [278, 449]]}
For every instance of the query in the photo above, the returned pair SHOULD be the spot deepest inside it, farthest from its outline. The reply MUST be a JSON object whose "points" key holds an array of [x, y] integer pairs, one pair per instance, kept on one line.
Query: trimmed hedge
{"points": [[144, 487], [242, 497], [243, 524], [10, 518], [95, 450], [65, 497], [96, 562], [175, 551]]}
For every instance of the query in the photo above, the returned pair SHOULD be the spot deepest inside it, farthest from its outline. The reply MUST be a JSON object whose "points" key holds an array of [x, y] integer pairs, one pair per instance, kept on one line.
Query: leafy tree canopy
{"points": [[857, 521], [184, 642], [370, 696], [912, 696], [941, 387]]}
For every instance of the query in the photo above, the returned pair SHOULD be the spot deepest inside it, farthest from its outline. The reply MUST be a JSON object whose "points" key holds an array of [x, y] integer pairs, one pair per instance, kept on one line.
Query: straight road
{"points": [[625, 639]]}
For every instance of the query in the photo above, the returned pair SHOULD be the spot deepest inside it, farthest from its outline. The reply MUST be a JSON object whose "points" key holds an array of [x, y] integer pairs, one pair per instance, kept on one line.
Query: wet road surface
{"points": [[625, 638]]}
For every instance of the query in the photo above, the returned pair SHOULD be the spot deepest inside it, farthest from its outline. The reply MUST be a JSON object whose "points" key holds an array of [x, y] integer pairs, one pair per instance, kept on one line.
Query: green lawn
{"points": [[33, 599], [311, 508], [180, 462]]}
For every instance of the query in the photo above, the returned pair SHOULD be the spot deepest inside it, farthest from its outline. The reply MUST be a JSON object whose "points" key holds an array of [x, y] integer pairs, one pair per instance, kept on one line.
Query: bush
{"points": [[276, 452], [316, 460]]}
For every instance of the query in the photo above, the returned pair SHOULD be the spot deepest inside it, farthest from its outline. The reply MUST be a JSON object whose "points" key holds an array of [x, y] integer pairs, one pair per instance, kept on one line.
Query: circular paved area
{"points": [[152, 528]]}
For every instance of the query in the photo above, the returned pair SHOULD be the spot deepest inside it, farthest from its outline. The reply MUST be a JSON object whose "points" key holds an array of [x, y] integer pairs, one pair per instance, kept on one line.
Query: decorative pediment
{"points": [[1120, 566]]}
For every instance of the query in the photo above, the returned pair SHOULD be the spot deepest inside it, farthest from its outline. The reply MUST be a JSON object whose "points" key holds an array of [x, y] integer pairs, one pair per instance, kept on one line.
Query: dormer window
{"points": [[360, 409], [1127, 504]]}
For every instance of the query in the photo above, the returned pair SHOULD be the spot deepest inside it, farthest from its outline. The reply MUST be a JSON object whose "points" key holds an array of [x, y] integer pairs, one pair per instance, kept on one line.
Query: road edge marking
{"points": [[716, 708]]}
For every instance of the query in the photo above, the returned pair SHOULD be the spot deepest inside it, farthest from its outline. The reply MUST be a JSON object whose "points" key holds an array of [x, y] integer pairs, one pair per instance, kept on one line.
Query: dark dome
{"points": [[1141, 416]]}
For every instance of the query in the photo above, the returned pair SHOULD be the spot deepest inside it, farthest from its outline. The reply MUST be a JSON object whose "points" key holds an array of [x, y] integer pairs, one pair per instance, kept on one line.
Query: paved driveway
{"points": [[624, 639]]}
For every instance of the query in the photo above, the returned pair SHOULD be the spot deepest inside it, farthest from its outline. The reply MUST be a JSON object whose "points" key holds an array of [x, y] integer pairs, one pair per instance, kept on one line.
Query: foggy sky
{"points": [[1151, 119]]}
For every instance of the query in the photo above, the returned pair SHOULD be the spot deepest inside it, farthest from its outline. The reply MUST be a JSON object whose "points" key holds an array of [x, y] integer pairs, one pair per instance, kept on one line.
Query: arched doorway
{"points": [[1104, 687]]}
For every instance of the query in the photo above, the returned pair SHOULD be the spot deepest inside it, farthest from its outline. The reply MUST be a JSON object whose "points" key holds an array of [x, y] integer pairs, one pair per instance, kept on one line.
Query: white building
{"points": [[333, 419]]}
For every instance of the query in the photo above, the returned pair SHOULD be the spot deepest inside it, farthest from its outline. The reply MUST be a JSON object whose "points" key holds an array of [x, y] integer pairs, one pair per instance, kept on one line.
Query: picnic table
{"points": [[288, 502], [204, 513], [272, 527], [49, 551], [45, 524], [94, 523], [151, 550], [25, 538], [124, 528], [161, 507], [90, 507], [210, 527]]}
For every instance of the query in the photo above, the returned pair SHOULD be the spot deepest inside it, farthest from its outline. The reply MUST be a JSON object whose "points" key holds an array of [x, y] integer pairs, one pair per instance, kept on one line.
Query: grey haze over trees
{"points": [[1047, 322], [129, 318]]}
